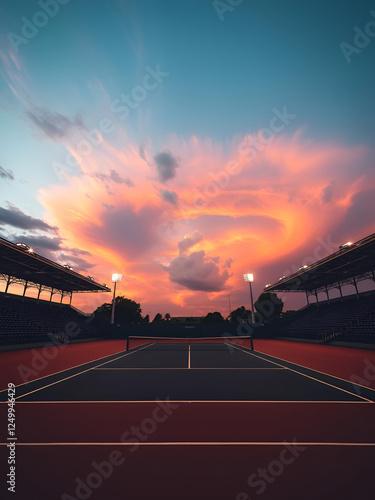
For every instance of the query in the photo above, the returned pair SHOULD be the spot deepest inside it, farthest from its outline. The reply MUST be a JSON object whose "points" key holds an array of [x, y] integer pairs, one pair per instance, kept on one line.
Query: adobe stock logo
{"points": [[361, 39], [366, 378], [30, 28], [225, 6], [103, 470], [268, 475]]}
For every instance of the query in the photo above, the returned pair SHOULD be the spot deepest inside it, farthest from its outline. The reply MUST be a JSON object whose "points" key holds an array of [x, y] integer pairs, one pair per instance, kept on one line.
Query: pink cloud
{"points": [[197, 272], [251, 212]]}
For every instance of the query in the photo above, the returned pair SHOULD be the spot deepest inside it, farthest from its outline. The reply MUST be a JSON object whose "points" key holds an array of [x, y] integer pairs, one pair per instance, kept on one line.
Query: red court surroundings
{"points": [[196, 449]]}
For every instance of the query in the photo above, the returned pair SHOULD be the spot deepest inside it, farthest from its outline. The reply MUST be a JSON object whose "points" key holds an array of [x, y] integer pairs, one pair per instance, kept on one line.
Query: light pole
{"points": [[250, 278], [116, 278]]}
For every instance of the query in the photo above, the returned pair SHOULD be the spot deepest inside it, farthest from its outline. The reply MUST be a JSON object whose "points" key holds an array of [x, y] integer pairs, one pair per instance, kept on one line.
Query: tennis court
{"points": [[207, 418]]}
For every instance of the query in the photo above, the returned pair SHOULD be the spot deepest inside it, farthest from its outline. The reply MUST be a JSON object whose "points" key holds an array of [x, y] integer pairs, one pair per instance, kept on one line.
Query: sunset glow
{"points": [[188, 191]]}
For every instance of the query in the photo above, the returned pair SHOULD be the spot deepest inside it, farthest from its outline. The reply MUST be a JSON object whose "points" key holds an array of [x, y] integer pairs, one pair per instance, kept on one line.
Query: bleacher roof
{"points": [[28, 266], [350, 260]]}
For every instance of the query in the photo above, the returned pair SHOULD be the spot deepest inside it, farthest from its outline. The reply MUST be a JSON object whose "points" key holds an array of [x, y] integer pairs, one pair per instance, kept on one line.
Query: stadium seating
{"points": [[26, 320], [350, 319]]}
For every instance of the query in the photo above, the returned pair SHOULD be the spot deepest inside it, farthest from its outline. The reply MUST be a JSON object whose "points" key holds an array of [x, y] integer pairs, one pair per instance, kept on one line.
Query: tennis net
{"points": [[197, 343]]}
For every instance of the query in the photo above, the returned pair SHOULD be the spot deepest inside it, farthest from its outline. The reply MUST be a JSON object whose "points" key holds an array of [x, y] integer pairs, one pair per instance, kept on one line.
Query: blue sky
{"points": [[221, 71]]}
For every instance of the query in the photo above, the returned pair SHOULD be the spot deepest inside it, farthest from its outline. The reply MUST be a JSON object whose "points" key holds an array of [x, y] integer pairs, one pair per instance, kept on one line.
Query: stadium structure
{"points": [[24, 319], [344, 318]]}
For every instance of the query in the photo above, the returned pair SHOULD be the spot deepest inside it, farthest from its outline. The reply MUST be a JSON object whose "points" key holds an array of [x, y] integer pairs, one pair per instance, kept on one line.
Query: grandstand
{"points": [[26, 320], [346, 318], [177, 394]]}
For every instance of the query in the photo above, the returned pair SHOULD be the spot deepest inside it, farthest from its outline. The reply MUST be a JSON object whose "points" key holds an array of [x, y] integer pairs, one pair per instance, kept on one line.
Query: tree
{"points": [[146, 319], [213, 317], [239, 315], [167, 317], [269, 306], [126, 311], [158, 318]]}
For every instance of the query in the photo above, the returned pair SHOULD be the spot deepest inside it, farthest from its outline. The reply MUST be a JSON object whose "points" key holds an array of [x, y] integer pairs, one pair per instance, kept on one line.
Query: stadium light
{"points": [[346, 245], [250, 278], [116, 278]]}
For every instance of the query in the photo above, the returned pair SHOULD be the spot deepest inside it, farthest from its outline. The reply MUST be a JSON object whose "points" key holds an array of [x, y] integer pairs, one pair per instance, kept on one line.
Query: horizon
{"points": [[185, 144]]}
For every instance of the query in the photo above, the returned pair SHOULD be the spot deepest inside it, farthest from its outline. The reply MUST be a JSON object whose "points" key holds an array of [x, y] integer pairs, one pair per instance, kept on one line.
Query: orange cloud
{"points": [[251, 210]]}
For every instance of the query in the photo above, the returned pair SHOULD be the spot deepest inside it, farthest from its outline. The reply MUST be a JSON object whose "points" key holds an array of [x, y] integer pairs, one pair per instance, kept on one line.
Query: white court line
{"points": [[318, 371], [189, 358], [79, 373], [201, 443], [64, 370], [205, 368], [308, 376], [196, 401], [188, 339]]}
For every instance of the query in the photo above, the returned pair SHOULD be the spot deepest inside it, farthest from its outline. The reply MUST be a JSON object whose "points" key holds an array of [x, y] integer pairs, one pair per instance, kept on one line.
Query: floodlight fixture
{"points": [[116, 278], [249, 278], [346, 245]]}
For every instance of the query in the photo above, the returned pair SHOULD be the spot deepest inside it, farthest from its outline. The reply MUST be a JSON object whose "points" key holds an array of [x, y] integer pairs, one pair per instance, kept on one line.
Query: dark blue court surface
{"points": [[196, 372], [198, 420]]}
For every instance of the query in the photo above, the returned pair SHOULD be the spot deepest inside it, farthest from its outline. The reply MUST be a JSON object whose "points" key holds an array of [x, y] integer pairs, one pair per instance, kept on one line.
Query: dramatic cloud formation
{"points": [[166, 165], [197, 272], [6, 174], [13, 216], [132, 160], [51, 247], [255, 214]]}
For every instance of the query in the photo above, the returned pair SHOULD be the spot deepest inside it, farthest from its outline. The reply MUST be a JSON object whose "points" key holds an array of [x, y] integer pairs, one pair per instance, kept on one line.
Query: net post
{"points": [[127, 343], [252, 343]]}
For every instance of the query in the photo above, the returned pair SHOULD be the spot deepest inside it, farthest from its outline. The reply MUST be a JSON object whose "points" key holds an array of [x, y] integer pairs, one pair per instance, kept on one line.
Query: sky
{"points": [[184, 143]]}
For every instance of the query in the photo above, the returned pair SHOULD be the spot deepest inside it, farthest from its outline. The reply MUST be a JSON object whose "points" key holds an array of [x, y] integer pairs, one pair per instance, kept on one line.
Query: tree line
{"points": [[268, 307]]}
